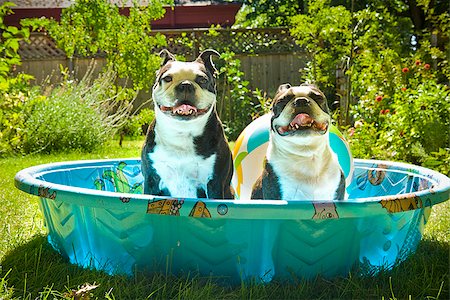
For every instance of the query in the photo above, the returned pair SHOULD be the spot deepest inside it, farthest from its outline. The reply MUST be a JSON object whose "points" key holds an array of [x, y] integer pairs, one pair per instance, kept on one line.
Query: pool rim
{"points": [[26, 181]]}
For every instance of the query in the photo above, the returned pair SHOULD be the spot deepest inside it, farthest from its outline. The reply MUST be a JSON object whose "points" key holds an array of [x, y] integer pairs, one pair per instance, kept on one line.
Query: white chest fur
{"points": [[181, 170], [306, 174], [313, 188]]}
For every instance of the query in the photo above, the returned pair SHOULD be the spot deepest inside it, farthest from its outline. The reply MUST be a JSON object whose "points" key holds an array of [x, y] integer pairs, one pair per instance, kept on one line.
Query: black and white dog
{"points": [[186, 153], [300, 164]]}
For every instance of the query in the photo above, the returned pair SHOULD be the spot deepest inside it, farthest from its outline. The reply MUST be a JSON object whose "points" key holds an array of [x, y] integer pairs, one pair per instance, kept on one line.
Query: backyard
{"points": [[31, 269], [384, 72]]}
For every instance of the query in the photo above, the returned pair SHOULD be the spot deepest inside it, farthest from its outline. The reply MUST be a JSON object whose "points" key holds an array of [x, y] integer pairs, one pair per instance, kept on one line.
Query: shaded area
{"points": [[35, 269]]}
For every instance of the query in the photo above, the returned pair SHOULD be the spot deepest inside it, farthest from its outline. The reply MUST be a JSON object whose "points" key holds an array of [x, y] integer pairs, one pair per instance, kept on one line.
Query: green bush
{"points": [[76, 115], [410, 123], [236, 105], [138, 124], [15, 93]]}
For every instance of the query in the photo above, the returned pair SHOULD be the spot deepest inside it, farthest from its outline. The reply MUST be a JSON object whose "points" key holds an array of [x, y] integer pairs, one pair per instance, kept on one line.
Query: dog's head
{"points": [[300, 111], [185, 90]]}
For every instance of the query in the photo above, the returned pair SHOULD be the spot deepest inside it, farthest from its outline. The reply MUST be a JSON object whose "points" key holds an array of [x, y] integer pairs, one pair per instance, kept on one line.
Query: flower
{"points": [[351, 131], [386, 111], [427, 66], [403, 89], [405, 70], [418, 62], [379, 98]]}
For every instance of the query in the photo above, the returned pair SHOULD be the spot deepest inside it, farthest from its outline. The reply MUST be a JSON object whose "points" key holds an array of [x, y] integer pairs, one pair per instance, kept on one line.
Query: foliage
{"points": [[15, 105], [409, 123], [9, 43], [90, 26], [267, 13], [14, 91], [434, 44], [236, 104], [76, 115], [324, 32], [439, 161], [137, 124]]}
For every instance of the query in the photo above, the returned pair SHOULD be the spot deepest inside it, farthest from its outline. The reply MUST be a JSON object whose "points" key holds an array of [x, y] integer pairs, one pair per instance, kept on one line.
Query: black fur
{"points": [[340, 192], [267, 186], [212, 141]]}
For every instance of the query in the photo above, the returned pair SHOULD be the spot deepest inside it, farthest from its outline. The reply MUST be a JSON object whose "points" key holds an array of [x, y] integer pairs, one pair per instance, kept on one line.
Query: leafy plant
{"points": [[324, 32], [91, 27], [236, 104], [411, 123], [439, 160], [267, 13], [9, 43], [76, 115], [15, 93], [138, 124]]}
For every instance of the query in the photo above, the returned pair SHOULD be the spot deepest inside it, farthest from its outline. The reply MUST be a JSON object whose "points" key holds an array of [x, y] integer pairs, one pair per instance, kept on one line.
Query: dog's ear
{"points": [[166, 56], [283, 87], [206, 58]]}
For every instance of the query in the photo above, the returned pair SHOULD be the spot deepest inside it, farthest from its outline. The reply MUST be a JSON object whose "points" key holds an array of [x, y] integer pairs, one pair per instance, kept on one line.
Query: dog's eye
{"points": [[167, 78], [202, 80]]}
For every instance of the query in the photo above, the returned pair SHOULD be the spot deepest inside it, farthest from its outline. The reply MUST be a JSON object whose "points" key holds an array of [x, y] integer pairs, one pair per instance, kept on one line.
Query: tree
{"points": [[89, 27]]}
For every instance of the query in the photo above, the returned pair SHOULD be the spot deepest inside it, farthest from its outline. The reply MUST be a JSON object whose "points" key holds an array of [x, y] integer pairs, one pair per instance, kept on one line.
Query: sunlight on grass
{"points": [[30, 268]]}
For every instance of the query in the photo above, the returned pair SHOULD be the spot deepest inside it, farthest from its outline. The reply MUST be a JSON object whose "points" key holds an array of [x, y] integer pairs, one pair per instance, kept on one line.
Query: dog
{"points": [[299, 163], [185, 153]]}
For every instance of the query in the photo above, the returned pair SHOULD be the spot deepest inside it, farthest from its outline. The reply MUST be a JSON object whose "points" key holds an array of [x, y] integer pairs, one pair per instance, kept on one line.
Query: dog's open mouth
{"points": [[302, 121], [183, 110]]}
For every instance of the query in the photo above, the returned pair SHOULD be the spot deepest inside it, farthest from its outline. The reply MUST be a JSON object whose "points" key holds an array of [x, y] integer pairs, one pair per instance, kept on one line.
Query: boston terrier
{"points": [[186, 153], [299, 163]]}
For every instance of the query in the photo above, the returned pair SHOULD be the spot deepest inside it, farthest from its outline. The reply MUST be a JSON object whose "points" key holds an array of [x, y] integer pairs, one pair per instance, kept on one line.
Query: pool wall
{"points": [[98, 218]]}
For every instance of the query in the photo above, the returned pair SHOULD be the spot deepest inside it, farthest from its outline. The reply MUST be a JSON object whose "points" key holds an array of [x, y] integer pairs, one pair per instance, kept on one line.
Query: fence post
{"points": [[195, 51]]}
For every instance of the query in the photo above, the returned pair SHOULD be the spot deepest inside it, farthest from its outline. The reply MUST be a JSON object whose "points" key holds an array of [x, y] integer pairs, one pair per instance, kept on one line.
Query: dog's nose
{"points": [[301, 102], [185, 86]]}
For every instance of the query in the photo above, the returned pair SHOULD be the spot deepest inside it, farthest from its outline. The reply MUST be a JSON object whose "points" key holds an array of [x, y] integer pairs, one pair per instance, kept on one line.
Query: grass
{"points": [[31, 269]]}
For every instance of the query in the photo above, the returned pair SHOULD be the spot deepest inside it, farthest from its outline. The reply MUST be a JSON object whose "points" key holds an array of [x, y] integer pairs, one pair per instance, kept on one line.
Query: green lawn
{"points": [[30, 268]]}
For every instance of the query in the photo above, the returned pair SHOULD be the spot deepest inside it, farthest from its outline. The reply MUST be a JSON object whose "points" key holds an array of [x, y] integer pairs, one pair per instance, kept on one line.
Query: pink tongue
{"points": [[302, 120], [184, 108]]}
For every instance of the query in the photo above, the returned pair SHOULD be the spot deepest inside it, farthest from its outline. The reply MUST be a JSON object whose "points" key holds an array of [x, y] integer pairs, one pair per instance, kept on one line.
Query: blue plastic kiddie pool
{"points": [[98, 217]]}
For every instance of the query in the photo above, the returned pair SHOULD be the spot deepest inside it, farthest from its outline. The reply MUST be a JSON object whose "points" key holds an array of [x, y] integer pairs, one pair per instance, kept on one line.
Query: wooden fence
{"points": [[268, 57]]}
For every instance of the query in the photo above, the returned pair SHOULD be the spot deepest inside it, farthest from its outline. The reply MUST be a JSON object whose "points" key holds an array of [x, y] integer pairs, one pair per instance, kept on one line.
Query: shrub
{"points": [[15, 94], [76, 115], [138, 124], [236, 106], [409, 123]]}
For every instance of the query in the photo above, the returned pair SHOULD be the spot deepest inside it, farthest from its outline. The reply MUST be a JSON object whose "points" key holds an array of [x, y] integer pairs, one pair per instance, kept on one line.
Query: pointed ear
{"points": [[283, 87], [166, 56], [206, 59]]}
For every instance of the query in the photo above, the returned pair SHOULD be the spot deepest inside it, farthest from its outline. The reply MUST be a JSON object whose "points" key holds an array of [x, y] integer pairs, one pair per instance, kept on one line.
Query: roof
{"points": [[66, 3], [185, 14]]}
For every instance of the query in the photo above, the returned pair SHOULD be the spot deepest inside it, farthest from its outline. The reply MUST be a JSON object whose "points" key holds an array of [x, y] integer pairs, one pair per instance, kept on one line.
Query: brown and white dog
{"points": [[186, 153], [300, 164]]}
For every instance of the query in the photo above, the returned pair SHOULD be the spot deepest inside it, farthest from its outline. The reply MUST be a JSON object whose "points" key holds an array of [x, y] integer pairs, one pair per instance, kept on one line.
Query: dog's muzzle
{"points": [[183, 110], [302, 122]]}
